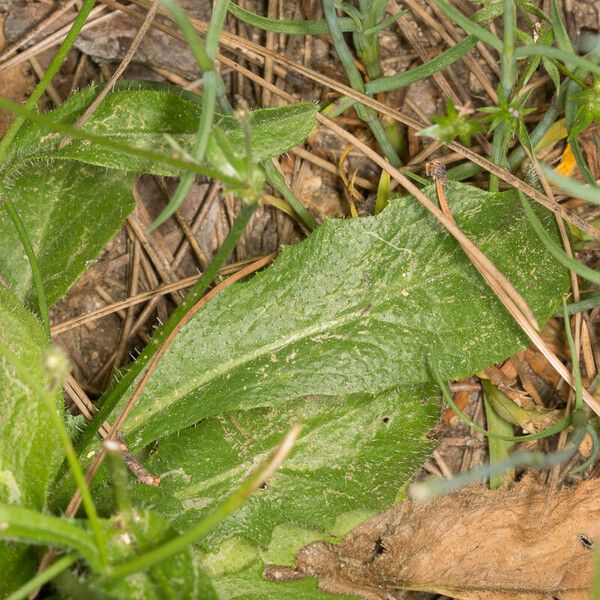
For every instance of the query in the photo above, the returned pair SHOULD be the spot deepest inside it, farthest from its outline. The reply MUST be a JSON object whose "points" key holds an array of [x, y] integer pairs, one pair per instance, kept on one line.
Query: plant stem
{"points": [[33, 264], [499, 145], [508, 73], [499, 449], [51, 71], [275, 179], [79, 478], [508, 64], [43, 577]]}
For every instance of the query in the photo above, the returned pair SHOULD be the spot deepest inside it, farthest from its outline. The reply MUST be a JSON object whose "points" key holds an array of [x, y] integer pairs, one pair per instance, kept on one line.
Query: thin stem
{"points": [[275, 179], [499, 144], [198, 151], [62, 564], [205, 58], [33, 264], [55, 64], [437, 487], [508, 64], [79, 478]]}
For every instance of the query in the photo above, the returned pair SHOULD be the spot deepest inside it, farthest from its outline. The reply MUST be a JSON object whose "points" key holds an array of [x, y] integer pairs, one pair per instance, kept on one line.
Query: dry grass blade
{"points": [[114, 307], [88, 409]]}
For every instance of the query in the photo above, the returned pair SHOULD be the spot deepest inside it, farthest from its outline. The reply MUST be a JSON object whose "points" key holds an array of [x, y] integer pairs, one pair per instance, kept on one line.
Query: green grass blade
{"points": [[571, 186], [289, 27], [555, 250], [441, 61], [584, 64], [469, 26]]}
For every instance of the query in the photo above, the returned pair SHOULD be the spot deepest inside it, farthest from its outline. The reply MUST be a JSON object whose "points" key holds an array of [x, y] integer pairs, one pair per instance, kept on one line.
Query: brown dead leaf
{"points": [[476, 544]]}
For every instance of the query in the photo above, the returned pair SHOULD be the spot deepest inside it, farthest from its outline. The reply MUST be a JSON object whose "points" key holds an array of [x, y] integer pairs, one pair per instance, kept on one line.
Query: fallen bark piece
{"points": [[476, 544]]}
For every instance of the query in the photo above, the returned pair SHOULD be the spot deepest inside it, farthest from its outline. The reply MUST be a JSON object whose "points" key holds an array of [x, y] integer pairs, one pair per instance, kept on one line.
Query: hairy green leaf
{"points": [[352, 457], [353, 454], [359, 306], [73, 200], [156, 119], [70, 211], [29, 449]]}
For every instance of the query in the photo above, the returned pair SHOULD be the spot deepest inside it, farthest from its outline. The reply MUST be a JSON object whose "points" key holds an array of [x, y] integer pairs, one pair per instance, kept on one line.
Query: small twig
{"points": [[114, 307], [87, 409], [437, 172]]}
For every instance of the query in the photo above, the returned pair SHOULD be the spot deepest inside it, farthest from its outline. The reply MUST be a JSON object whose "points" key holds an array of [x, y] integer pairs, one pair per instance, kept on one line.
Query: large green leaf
{"points": [[29, 449], [353, 454], [70, 211], [150, 117], [360, 306], [352, 457]]}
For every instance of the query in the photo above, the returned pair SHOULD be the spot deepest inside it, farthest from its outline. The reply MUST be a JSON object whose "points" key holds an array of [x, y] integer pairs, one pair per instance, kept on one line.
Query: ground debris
{"points": [[477, 544]]}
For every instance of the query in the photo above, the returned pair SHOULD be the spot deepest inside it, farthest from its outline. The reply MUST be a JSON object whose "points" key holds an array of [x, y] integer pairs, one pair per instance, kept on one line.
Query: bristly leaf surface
{"points": [[362, 305]]}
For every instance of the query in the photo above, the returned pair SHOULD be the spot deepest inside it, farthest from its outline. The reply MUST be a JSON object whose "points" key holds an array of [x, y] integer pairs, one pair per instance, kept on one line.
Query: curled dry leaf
{"points": [[477, 544]]}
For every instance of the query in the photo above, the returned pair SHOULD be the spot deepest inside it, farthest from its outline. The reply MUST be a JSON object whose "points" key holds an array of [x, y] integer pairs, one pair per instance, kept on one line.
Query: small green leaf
{"points": [[29, 448], [454, 124], [152, 119], [70, 211], [357, 307]]}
